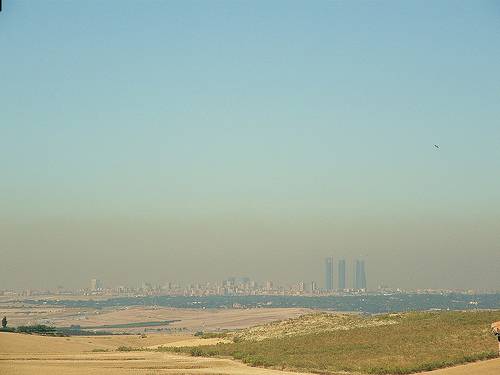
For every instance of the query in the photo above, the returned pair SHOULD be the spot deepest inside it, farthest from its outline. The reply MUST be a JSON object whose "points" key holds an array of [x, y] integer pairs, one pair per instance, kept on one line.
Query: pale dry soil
{"points": [[490, 367]]}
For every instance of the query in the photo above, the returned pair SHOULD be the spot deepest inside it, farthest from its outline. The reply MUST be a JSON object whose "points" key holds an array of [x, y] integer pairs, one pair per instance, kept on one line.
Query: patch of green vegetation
{"points": [[126, 349], [39, 329], [7, 329], [135, 324], [99, 350], [420, 341], [212, 335], [175, 349]]}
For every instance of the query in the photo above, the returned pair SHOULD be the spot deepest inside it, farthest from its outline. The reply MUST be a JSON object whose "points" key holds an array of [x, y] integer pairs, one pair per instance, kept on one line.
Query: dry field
{"points": [[191, 320], [29, 354], [14, 343]]}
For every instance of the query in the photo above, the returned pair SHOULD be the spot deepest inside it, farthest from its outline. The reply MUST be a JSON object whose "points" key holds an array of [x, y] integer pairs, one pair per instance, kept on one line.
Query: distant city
{"points": [[341, 278]]}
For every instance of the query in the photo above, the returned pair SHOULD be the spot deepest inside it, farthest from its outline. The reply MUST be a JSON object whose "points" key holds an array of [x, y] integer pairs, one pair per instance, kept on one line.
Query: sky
{"points": [[196, 140]]}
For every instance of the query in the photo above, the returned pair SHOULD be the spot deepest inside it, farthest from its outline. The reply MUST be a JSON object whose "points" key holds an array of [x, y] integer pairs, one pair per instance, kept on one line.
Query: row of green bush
{"points": [[33, 329], [41, 329]]}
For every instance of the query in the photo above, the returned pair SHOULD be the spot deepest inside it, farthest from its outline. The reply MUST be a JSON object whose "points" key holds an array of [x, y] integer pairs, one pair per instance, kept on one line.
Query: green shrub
{"points": [[126, 349], [37, 329], [212, 335], [196, 352]]}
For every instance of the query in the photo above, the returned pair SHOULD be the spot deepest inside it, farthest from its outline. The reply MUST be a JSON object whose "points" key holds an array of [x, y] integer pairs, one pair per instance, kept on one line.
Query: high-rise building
{"points": [[313, 286], [269, 286], [329, 273], [95, 285], [342, 274], [363, 276], [360, 275]]}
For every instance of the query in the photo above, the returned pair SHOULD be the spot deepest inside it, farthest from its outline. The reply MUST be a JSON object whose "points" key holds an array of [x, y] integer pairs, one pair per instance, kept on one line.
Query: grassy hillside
{"points": [[388, 344]]}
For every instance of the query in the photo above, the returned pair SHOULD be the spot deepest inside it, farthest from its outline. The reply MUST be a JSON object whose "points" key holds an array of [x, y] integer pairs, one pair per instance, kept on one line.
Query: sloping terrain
{"points": [[388, 344], [313, 323]]}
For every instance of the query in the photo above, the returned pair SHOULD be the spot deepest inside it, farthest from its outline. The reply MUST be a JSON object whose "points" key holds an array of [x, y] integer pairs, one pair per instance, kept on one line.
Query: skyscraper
{"points": [[269, 286], [329, 273], [341, 274], [95, 285], [360, 275]]}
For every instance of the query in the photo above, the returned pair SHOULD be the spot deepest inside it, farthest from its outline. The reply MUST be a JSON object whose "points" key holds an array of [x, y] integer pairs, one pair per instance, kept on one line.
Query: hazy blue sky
{"points": [[194, 140]]}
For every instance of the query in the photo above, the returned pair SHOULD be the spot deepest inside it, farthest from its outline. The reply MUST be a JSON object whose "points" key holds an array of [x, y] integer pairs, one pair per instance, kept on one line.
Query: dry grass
{"points": [[11, 343], [117, 363], [312, 323], [408, 343], [22, 354]]}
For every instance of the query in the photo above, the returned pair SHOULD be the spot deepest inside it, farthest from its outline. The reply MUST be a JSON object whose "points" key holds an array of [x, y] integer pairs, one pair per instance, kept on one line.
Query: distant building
{"points": [[146, 287], [269, 286], [95, 285], [360, 275], [342, 275], [301, 287], [314, 287], [329, 273]]}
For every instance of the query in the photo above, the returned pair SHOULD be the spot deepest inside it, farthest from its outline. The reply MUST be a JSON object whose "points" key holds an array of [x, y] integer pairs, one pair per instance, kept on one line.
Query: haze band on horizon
{"points": [[192, 141]]}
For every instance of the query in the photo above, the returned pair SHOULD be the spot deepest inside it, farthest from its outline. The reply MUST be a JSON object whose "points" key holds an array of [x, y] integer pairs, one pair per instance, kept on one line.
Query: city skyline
{"points": [[242, 286], [354, 281]]}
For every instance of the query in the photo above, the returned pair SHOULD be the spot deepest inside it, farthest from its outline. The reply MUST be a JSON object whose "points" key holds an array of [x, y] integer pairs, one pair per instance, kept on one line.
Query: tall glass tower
{"points": [[329, 273], [360, 275], [341, 274]]}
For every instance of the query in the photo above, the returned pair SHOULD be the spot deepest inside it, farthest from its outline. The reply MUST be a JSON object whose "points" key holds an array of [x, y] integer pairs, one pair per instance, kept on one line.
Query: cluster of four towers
{"points": [[358, 279]]}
